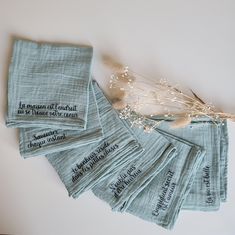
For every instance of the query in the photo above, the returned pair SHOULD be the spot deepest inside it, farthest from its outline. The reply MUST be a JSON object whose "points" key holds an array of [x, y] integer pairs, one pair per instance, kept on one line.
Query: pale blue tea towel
{"points": [[120, 188], [160, 202], [82, 168], [209, 183], [48, 85], [40, 141]]}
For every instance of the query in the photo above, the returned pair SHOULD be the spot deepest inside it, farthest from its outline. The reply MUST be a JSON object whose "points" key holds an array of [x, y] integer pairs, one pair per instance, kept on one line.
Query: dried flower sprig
{"points": [[138, 95], [138, 120]]}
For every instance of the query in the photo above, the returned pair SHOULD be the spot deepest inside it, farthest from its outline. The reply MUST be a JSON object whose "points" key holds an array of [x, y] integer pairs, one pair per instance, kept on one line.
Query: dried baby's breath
{"points": [[141, 98]]}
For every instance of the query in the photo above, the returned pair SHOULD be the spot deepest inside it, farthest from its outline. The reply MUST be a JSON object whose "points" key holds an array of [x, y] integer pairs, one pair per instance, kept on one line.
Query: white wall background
{"points": [[188, 41]]}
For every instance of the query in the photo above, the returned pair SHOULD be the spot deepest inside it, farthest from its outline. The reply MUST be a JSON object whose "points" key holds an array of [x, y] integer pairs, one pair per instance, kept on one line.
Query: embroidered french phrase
{"points": [[88, 163], [206, 181], [123, 180], [51, 110], [165, 195], [42, 139]]}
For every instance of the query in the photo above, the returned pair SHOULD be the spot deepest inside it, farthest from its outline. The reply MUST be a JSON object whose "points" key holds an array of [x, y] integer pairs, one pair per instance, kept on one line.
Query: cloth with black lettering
{"points": [[82, 168], [119, 189], [210, 184], [40, 141], [161, 201], [48, 85]]}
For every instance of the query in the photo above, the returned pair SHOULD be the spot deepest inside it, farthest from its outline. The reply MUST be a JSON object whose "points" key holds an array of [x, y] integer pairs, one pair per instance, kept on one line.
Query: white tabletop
{"points": [[188, 41]]}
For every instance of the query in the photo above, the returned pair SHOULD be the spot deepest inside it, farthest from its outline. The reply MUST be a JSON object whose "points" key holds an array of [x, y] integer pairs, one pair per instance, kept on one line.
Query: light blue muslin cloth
{"points": [[223, 161], [40, 141], [82, 168], [210, 183], [48, 85], [160, 202], [120, 188]]}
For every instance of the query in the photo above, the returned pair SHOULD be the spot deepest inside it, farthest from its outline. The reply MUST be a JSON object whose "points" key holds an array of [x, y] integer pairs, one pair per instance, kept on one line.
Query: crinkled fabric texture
{"points": [[160, 202], [82, 168], [48, 85], [210, 184], [223, 161], [40, 141], [119, 189]]}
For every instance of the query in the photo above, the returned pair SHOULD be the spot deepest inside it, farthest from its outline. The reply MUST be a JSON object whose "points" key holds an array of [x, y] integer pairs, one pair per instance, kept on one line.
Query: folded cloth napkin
{"points": [[39, 141], [120, 188], [160, 202], [48, 85], [211, 179], [82, 168]]}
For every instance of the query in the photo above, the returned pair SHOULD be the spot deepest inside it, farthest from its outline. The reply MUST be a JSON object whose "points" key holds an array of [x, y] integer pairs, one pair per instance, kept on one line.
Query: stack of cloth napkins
{"points": [[63, 115]]}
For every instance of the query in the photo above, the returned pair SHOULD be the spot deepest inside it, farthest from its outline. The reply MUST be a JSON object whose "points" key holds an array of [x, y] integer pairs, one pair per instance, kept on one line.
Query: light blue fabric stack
{"points": [[161, 201], [210, 183], [50, 97], [121, 188], [65, 116], [38, 141], [82, 168]]}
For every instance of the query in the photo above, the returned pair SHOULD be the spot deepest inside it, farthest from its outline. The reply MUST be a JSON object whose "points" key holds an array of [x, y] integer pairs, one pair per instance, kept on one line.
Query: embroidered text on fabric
{"points": [[124, 180], [89, 162], [166, 194]]}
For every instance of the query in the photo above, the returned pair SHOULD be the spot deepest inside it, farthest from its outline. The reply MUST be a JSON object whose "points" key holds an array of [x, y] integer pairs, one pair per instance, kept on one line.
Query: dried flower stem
{"points": [[141, 92]]}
